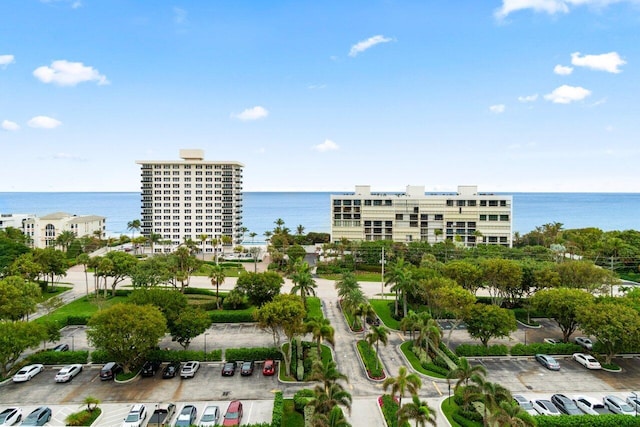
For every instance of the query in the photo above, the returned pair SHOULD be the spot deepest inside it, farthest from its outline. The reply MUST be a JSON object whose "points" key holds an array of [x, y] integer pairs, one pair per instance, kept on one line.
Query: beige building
{"points": [[467, 216], [44, 230], [188, 198]]}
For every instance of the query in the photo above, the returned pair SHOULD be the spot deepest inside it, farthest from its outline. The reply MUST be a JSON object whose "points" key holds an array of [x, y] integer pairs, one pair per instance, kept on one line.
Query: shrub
{"points": [[435, 368], [231, 316], [185, 355], [463, 421], [51, 357], [370, 359], [302, 397], [83, 418], [450, 354], [389, 410], [544, 348], [605, 420], [100, 356], [77, 320], [252, 354], [278, 410], [471, 350]]}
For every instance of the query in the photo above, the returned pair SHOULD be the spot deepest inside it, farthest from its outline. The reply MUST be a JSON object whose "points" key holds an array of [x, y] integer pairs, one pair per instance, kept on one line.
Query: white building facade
{"points": [[14, 220], [191, 198], [468, 217], [43, 231]]}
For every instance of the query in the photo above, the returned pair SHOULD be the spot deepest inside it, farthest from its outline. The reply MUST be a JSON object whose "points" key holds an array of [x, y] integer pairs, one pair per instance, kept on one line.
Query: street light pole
{"points": [[205, 345]]}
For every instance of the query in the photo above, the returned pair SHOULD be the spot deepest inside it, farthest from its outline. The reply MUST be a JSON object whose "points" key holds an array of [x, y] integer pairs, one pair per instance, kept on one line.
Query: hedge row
{"points": [[51, 357], [278, 410], [464, 422], [77, 320], [606, 420], [544, 348], [370, 359], [231, 317], [389, 409], [252, 354], [101, 356], [470, 350], [302, 397]]}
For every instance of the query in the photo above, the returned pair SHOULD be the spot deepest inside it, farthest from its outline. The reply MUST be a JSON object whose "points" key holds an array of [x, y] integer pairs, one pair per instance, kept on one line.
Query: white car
{"points": [[210, 416], [545, 407], [634, 400], [587, 361], [189, 369], [584, 342], [136, 416], [617, 405], [67, 373], [27, 372], [525, 404], [10, 416], [589, 405]]}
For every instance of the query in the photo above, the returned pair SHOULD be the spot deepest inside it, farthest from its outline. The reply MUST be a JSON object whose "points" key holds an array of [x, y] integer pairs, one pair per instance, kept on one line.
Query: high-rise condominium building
{"points": [[190, 199], [467, 216]]}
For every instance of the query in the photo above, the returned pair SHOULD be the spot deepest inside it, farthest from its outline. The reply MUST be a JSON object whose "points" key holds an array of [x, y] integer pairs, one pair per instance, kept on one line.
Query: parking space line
{"points": [[436, 387]]}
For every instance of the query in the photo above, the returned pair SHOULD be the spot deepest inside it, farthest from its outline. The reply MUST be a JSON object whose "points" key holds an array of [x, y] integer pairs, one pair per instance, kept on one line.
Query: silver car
{"points": [[617, 405], [67, 373], [210, 416]]}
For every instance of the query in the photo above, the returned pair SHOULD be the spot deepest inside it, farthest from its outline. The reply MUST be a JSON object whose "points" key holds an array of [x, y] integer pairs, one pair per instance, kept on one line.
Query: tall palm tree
{"points": [[84, 260], [279, 225], [401, 384], [217, 276], [300, 230], [253, 236], [464, 372], [303, 282], [377, 335], [399, 274], [325, 400], [419, 411], [153, 239], [492, 395], [364, 310], [345, 285], [134, 225], [267, 235], [351, 302], [429, 332], [321, 329], [226, 241], [335, 418], [510, 414], [410, 322], [203, 239], [326, 374]]}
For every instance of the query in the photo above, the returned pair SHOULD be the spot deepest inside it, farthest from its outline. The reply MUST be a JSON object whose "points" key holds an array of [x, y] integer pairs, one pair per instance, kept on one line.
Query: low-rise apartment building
{"points": [[467, 216], [43, 231]]}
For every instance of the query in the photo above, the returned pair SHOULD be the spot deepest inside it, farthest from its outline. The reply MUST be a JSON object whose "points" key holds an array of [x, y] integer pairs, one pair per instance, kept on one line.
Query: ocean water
{"points": [[607, 211]]}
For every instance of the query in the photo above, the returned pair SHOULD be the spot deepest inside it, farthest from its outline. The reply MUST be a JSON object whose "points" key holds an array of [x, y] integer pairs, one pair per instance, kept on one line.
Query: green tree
{"points": [[182, 264], [123, 265], [18, 298], [490, 321], [321, 330], [335, 418], [190, 323], [562, 305], [134, 226], [91, 402], [170, 302], [364, 310], [511, 414], [83, 260], [330, 392], [153, 240], [417, 410], [466, 273], [296, 253], [217, 276], [235, 298], [492, 395], [15, 338], [399, 385], [465, 371], [454, 300], [26, 267], [53, 262], [502, 278], [400, 275], [150, 272], [260, 288], [582, 275], [303, 282], [127, 332], [203, 239], [377, 335], [346, 284], [65, 239]]}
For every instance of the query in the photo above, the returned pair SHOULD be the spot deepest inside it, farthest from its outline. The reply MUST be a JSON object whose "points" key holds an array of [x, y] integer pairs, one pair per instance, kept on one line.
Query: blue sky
{"points": [[511, 95]]}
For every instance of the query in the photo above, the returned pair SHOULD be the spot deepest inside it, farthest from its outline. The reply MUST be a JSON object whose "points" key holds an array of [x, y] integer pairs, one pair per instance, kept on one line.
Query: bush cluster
{"points": [[231, 316], [605, 420], [435, 368], [471, 350], [51, 357], [278, 410], [252, 354], [301, 398], [83, 418], [370, 358], [389, 410], [77, 320], [535, 348]]}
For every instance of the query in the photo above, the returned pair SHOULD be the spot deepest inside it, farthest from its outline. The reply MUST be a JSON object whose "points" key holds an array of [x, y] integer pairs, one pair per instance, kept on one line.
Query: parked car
{"points": [[269, 368], [525, 404], [246, 369], [187, 416], [150, 368], [10, 416], [589, 405], [584, 342], [67, 373], [210, 416], [110, 370], [61, 347], [136, 416], [548, 362], [633, 400], [545, 407], [38, 417], [565, 404], [618, 406], [161, 416], [171, 370], [586, 360], [552, 341], [233, 416], [189, 369], [27, 372], [229, 369]]}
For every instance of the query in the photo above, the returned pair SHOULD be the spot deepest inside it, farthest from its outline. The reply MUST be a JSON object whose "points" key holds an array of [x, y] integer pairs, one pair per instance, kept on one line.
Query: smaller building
{"points": [[44, 230], [14, 220]]}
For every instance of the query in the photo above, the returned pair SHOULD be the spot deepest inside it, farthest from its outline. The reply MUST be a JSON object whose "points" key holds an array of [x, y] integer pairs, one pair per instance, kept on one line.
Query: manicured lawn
{"points": [[405, 347], [449, 407], [291, 417], [81, 307], [52, 292], [383, 309], [360, 276], [314, 307]]}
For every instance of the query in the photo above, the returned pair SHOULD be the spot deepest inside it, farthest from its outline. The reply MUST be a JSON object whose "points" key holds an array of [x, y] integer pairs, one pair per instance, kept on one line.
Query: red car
{"points": [[233, 416], [269, 368]]}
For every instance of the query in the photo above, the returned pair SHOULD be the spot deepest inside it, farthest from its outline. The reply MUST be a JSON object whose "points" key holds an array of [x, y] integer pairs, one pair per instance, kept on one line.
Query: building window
{"points": [[504, 217], [399, 217]]}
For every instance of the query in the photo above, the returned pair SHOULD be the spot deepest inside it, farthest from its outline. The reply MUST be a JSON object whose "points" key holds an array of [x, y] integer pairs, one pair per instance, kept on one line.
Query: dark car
{"points": [[109, 371], [38, 417], [246, 369], [229, 369], [150, 368], [61, 347], [565, 405], [171, 370]]}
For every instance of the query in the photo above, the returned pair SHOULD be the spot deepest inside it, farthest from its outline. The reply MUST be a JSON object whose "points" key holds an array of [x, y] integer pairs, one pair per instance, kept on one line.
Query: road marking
{"points": [[437, 388], [401, 337], [250, 410]]}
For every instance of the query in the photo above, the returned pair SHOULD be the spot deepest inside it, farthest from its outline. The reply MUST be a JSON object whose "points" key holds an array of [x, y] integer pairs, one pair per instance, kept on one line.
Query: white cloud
{"points": [[550, 6], [67, 156], [562, 70], [6, 60], [609, 128], [567, 94], [180, 16], [314, 87], [528, 98], [9, 125], [76, 4], [608, 62], [65, 73], [497, 109], [327, 145], [367, 44], [44, 122], [253, 113]]}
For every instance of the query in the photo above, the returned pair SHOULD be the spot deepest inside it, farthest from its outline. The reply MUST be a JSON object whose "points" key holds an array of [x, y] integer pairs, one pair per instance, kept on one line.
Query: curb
{"points": [[364, 368], [408, 364]]}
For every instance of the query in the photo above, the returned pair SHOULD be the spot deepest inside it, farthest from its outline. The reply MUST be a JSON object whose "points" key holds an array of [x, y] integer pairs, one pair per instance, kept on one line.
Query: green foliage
{"points": [[260, 288], [190, 323], [606, 420], [252, 354], [291, 417], [370, 360], [170, 302], [389, 409], [83, 418], [233, 316], [302, 397], [489, 321], [278, 410], [182, 355], [314, 308], [15, 338], [544, 348], [427, 368], [18, 298], [100, 357], [79, 311], [77, 320], [51, 357], [470, 350], [384, 310]]}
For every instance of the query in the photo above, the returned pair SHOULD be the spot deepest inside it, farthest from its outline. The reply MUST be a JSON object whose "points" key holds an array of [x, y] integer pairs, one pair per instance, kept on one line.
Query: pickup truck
{"points": [[162, 415]]}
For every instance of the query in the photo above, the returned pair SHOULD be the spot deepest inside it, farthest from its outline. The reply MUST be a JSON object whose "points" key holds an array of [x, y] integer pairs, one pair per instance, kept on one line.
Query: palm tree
{"points": [[418, 410], [253, 236], [64, 239], [437, 232], [303, 281], [464, 372], [203, 239], [300, 230], [399, 274], [217, 276], [226, 241], [134, 225], [321, 329], [279, 224], [351, 301], [326, 374], [401, 384], [330, 392], [410, 322], [84, 260], [510, 414], [346, 284], [429, 332], [335, 418], [91, 402], [364, 309], [492, 395], [153, 239], [377, 335], [267, 235]]}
